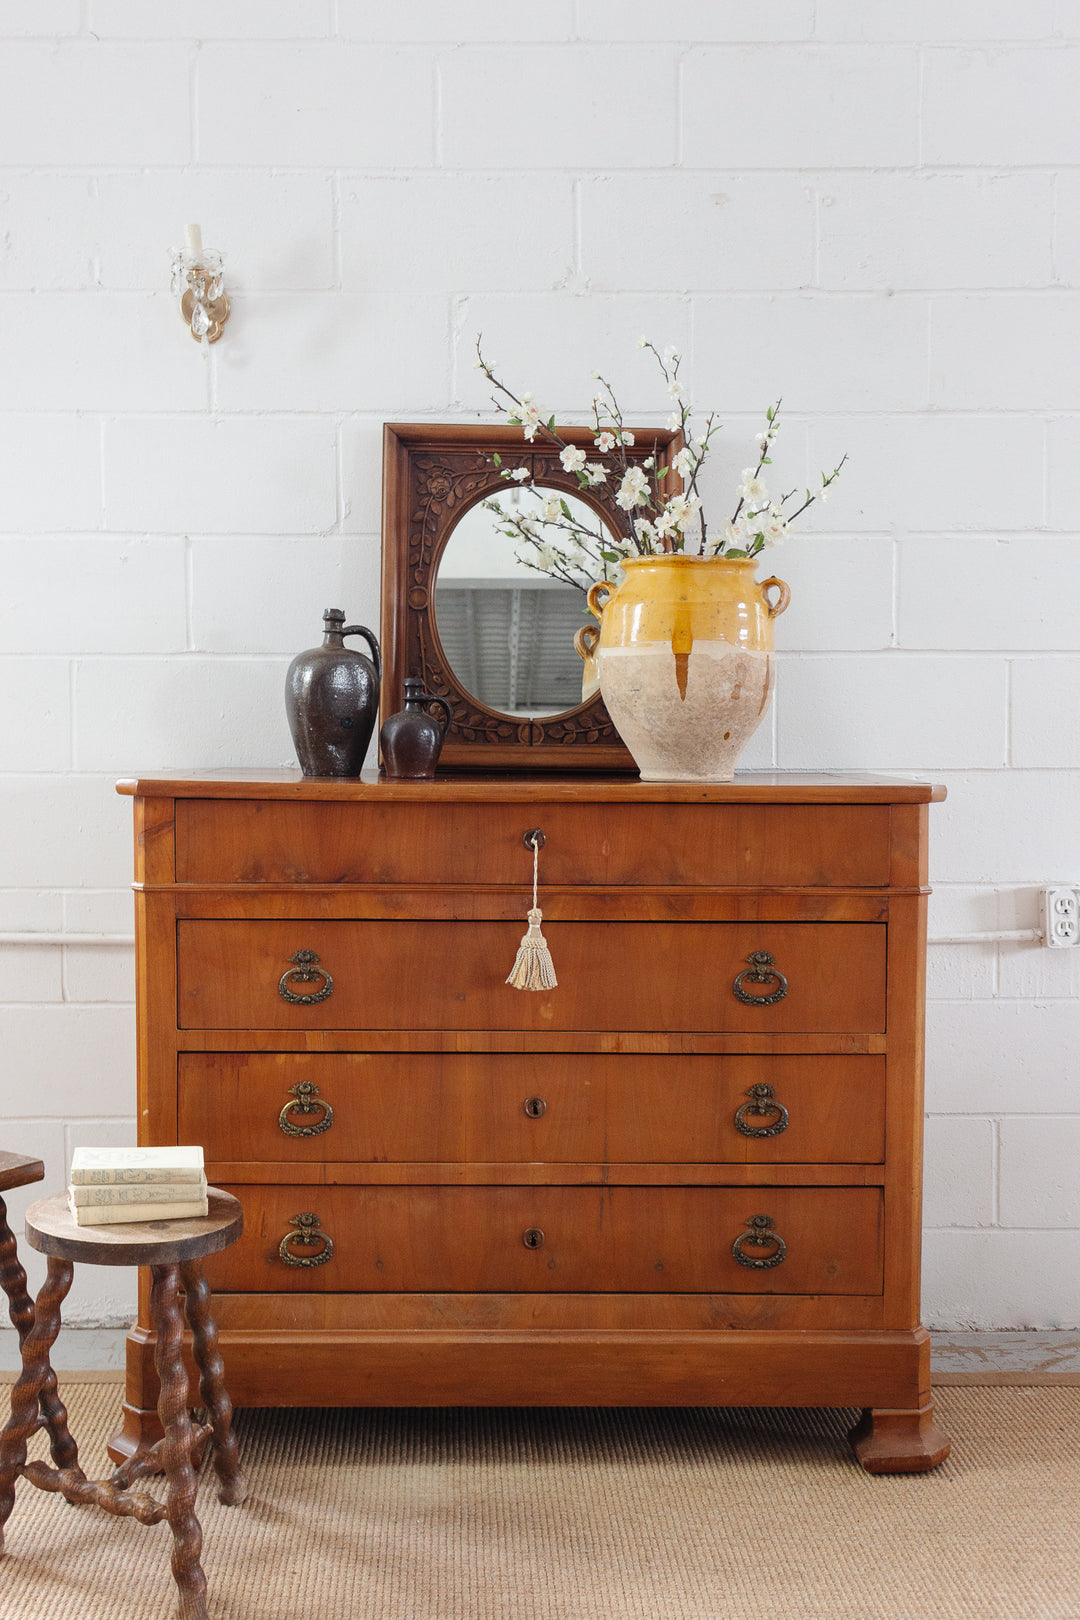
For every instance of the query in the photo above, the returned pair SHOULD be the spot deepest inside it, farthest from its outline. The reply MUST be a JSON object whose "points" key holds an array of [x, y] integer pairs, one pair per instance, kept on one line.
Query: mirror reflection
{"points": [[507, 628]]}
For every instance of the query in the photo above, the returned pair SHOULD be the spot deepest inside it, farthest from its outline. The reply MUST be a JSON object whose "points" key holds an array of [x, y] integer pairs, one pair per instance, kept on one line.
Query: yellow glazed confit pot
{"points": [[686, 661]]}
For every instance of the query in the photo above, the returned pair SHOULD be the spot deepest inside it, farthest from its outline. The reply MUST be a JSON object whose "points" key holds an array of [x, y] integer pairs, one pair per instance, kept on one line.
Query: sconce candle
{"points": [[197, 278]]}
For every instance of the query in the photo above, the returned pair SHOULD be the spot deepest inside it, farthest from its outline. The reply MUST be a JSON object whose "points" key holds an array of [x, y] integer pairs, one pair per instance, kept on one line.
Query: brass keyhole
{"points": [[535, 1106], [532, 1238]]}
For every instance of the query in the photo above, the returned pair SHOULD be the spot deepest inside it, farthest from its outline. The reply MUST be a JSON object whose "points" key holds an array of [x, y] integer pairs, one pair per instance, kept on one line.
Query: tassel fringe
{"points": [[533, 968]]}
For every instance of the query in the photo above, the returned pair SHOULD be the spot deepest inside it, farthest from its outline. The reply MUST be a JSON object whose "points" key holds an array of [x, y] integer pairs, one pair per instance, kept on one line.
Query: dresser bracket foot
{"points": [[899, 1442]]}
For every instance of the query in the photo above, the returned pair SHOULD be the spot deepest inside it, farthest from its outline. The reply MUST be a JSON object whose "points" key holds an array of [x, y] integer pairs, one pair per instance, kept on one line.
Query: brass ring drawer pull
{"points": [[306, 1233], [762, 1101], [762, 970], [305, 972], [532, 1238], [306, 1100], [534, 1107], [759, 1236]]}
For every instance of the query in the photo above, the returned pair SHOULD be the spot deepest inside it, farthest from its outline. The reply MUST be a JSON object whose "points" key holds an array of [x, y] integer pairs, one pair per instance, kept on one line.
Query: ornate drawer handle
{"points": [[305, 972], [762, 1101], [760, 1235], [307, 1101], [306, 1232], [762, 970], [532, 1238], [534, 1107]]}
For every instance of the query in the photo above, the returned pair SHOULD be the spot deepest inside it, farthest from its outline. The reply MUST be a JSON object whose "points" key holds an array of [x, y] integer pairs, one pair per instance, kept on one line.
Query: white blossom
{"points": [[683, 463], [674, 423], [605, 441], [572, 458], [643, 342], [678, 513], [752, 489], [671, 354], [631, 491], [521, 474], [650, 461], [644, 530], [529, 416], [625, 436], [552, 509], [675, 388], [595, 473]]}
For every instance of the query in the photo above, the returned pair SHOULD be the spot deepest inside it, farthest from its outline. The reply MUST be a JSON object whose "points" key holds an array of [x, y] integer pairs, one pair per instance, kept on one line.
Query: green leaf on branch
{"points": [[497, 459], [566, 510]]}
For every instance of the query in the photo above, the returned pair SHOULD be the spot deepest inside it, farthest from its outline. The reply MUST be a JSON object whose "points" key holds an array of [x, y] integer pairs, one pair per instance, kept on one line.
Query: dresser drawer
{"points": [[711, 845], [828, 1240], [485, 1107], [612, 976]]}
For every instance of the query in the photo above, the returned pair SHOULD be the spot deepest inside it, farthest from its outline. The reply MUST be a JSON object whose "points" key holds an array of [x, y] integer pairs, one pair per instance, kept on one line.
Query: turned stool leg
{"points": [[212, 1389], [176, 1446], [13, 1279], [37, 1378], [21, 1311]]}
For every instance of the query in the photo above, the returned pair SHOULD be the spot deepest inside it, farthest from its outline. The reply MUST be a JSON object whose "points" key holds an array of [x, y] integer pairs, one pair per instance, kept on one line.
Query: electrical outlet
{"points": [[1061, 916]]}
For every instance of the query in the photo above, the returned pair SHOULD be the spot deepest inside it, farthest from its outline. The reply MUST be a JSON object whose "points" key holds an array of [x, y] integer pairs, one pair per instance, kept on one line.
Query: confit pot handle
{"points": [[596, 608], [774, 609], [585, 640]]}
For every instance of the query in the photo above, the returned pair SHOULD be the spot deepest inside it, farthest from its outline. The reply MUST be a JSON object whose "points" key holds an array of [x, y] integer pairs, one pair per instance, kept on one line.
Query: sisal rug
{"points": [[568, 1514]]}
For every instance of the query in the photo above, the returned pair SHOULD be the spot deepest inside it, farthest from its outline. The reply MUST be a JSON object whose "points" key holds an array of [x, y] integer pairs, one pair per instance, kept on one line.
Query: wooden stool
{"points": [[173, 1250]]}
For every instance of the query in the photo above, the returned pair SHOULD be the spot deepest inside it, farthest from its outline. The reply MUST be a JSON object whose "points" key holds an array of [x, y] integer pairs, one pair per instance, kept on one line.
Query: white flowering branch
{"points": [[656, 522]]}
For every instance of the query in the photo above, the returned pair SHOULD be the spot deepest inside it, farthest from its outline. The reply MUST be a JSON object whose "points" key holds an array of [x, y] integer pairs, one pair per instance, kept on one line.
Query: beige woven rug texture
{"points": [[585, 1515]]}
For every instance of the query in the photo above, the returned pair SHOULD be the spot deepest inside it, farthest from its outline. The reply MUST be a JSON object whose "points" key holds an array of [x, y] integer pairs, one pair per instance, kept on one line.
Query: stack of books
{"points": [[110, 1185]]}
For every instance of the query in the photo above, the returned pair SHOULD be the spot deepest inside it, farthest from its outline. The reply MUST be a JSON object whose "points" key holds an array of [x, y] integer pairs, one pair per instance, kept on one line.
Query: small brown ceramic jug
{"points": [[332, 699], [412, 739]]}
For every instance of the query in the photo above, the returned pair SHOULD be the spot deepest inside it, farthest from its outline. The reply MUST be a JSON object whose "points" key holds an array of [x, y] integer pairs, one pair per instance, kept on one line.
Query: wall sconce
{"points": [[196, 276]]}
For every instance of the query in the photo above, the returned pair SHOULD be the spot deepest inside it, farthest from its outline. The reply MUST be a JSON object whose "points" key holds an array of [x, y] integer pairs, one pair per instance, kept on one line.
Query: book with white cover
{"points": [[123, 1214], [146, 1192], [92, 1166]]}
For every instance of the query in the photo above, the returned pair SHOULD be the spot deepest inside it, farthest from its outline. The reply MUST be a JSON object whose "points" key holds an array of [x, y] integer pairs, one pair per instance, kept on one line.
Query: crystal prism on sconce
{"points": [[197, 278]]}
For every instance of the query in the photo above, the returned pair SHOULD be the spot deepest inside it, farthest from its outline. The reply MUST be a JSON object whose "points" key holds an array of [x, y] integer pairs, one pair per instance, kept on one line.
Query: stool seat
{"points": [[51, 1229], [16, 1170]]}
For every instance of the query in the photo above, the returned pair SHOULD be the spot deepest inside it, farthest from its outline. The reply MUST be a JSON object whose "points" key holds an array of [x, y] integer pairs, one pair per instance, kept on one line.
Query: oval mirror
{"points": [[507, 627]]}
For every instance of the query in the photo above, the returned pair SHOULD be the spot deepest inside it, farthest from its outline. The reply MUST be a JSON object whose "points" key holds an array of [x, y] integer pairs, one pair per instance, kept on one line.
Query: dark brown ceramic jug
{"points": [[412, 739], [332, 699]]}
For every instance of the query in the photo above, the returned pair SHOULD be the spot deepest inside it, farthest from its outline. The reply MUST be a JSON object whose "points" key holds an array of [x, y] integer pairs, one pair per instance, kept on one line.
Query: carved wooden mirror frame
{"points": [[432, 474]]}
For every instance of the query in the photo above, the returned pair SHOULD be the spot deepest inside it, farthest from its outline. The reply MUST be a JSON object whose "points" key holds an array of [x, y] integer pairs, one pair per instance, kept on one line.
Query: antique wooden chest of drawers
{"points": [[688, 1175]]}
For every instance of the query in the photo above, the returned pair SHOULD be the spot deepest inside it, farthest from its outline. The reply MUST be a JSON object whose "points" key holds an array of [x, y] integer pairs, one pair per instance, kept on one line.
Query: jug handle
{"points": [[596, 608], [775, 609], [376, 655], [433, 697], [585, 641]]}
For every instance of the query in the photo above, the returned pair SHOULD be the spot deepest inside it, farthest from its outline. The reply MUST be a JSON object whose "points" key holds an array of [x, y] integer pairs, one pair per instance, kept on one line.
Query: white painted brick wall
{"points": [[872, 209]]}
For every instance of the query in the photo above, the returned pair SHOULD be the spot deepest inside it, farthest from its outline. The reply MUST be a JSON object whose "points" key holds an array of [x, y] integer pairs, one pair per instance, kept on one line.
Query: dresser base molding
{"points": [[886, 1372]]}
